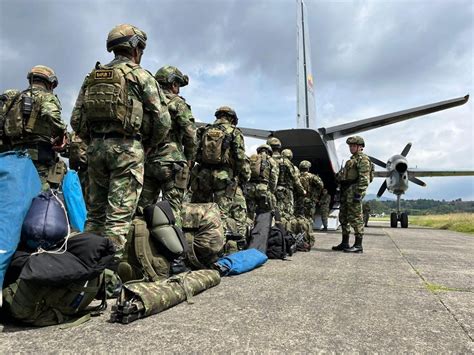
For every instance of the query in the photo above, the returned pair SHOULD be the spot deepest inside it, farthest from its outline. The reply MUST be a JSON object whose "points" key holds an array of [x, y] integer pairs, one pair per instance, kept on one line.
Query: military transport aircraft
{"points": [[317, 144], [397, 175]]}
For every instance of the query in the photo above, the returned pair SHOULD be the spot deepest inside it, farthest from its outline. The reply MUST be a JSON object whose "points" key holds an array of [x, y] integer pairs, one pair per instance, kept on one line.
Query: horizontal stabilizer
{"points": [[415, 172], [350, 128], [248, 132]]}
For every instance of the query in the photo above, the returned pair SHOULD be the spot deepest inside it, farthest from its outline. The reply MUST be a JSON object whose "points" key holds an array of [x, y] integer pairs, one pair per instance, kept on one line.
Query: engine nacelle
{"points": [[397, 180]]}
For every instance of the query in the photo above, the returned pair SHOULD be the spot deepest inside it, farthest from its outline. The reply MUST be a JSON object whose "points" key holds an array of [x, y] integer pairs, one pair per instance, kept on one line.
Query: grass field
{"points": [[458, 222]]}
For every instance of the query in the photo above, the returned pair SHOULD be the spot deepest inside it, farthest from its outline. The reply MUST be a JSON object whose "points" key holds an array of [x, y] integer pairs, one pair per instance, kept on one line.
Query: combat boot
{"points": [[344, 244], [357, 247]]}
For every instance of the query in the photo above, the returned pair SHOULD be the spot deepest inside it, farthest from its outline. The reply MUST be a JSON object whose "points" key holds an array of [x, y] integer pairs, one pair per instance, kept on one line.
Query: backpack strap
{"points": [[142, 249]]}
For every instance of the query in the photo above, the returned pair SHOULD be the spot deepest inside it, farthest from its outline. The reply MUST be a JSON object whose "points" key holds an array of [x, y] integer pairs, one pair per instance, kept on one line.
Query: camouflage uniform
{"points": [[78, 162], [354, 180], [166, 167], [366, 211], [116, 152], [43, 126], [220, 183], [260, 190], [6, 101], [313, 185], [288, 183], [324, 203]]}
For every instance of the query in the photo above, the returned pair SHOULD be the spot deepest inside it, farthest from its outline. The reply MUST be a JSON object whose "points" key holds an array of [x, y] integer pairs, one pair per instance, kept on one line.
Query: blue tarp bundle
{"points": [[242, 261], [19, 184], [75, 205]]}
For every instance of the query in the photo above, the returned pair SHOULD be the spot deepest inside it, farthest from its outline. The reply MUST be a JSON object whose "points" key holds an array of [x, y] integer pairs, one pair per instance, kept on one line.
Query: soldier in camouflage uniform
{"points": [[42, 132], [313, 185], [260, 191], [78, 162], [167, 166], [109, 117], [323, 205], [222, 167], [288, 184], [354, 180]]}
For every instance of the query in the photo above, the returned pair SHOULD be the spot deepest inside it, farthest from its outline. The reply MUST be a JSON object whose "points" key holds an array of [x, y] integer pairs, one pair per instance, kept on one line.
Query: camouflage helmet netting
{"points": [[287, 153], [305, 165], [226, 110], [274, 142], [169, 74], [356, 140], [125, 36], [264, 146], [43, 72]]}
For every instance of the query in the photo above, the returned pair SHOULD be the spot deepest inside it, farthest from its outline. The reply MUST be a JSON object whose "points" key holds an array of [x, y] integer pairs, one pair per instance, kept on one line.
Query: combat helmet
{"points": [[356, 140], [287, 153], [169, 74], [305, 165], [226, 111], [264, 146], [44, 73], [126, 37], [274, 142]]}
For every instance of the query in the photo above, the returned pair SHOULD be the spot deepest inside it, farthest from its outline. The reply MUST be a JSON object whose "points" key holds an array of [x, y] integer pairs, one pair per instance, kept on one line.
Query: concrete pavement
{"points": [[411, 290]]}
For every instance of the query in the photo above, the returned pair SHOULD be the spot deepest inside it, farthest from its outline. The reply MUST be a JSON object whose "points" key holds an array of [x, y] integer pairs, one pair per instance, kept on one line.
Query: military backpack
{"points": [[107, 98], [22, 114], [215, 145], [260, 168]]}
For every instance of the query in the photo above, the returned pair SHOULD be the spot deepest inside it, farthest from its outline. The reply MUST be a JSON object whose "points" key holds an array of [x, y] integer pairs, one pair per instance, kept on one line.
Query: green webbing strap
{"points": [[75, 322], [141, 239], [181, 280]]}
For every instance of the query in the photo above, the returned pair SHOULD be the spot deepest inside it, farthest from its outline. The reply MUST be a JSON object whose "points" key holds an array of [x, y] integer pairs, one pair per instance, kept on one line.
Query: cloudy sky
{"points": [[369, 58]]}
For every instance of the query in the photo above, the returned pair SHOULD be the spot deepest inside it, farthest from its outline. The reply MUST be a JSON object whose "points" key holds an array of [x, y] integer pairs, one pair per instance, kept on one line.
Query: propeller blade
{"points": [[382, 189], [378, 162], [406, 149], [416, 181]]}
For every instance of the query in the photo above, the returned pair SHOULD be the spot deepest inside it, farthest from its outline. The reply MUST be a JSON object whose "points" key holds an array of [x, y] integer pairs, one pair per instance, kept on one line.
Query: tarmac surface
{"points": [[412, 290]]}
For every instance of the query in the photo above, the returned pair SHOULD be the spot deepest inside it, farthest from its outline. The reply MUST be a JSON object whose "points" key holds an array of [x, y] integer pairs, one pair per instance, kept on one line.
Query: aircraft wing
{"points": [[248, 132], [350, 128], [381, 173], [416, 172]]}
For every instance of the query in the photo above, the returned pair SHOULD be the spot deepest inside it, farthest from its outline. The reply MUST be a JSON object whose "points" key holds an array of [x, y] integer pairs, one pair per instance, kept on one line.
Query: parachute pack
{"points": [[107, 98], [215, 145]]}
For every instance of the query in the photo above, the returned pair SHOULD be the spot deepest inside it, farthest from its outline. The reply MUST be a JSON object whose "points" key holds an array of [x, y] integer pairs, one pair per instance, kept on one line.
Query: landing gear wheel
{"points": [[404, 220], [393, 220]]}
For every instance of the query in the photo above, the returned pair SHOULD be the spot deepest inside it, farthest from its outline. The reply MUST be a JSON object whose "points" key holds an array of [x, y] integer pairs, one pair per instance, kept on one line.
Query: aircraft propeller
{"points": [[380, 163]]}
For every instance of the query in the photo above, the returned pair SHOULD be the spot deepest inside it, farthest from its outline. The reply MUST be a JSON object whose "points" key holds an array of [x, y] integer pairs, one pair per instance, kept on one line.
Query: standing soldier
{"points": [[324, 202], [222, 165], [354, 180], [167, 166], [288, 183], [261, 189], [33, 122], [109, 116], [313, 185]]}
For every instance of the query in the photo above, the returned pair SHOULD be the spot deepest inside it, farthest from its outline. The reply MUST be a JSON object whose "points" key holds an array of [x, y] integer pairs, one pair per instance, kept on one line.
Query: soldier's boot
{"points": [[357, 247], [344, 244]]}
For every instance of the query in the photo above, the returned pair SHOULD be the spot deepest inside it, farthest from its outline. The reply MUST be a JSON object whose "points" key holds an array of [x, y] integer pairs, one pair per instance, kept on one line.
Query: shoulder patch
{"points": [[104, 74]]}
